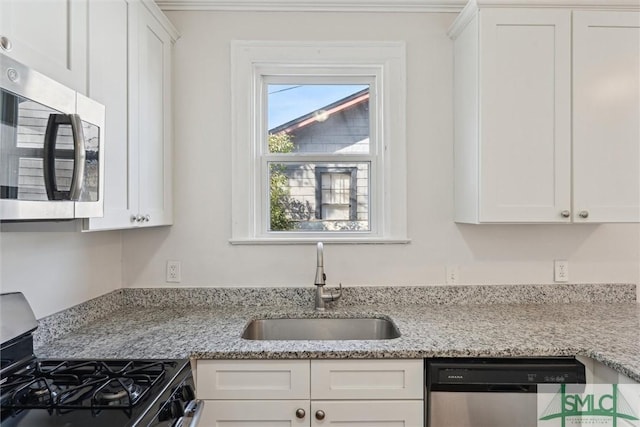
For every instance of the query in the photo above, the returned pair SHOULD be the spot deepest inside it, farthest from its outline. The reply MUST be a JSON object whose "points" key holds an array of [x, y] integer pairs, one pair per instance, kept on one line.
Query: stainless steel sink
{"points": [[321, 329]]}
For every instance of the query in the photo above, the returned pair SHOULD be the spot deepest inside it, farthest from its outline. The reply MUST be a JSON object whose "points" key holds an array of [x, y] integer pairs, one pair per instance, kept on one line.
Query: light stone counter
{"points": [[153, 324]]}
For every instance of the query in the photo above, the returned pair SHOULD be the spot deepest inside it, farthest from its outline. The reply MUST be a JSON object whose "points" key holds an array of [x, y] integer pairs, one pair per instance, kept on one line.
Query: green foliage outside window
{"points": [[279, 184]]}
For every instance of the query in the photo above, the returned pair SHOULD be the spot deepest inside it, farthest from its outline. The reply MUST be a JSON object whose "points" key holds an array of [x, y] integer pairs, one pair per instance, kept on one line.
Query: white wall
{"points": [[56, 266], [484, 254]]}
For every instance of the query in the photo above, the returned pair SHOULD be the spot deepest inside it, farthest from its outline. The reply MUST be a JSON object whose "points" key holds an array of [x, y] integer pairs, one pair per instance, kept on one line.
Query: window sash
{"points": [[335, 75], [265, 201], [253, 61]]}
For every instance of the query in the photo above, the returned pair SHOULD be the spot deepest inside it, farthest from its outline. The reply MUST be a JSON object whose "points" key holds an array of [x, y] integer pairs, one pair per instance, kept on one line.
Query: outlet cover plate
{"points": [[173, 272], [561, 271]]}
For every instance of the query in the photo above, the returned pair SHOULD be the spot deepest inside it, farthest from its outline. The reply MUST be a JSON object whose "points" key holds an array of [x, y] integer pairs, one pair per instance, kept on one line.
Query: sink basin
{"points": [[321, 329]]}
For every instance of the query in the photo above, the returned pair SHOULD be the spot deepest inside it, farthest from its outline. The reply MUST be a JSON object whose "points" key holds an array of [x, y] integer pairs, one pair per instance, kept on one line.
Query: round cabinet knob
{"points": [[5, 44], [147, 218], [584, 214], [300, 413], [134, 218], [565, 214], [319, 415]]}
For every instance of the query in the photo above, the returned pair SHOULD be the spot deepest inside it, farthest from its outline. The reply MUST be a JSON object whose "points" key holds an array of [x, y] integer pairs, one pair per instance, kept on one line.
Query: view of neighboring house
{"points": [[330, 195]]}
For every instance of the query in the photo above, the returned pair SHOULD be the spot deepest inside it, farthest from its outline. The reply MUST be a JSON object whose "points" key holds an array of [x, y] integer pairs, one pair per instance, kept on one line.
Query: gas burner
{"points": [[120, 391], [38, 393]]}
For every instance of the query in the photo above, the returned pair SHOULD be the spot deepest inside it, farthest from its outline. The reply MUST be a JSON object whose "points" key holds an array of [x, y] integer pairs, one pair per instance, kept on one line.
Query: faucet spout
{"points": [[321, 296], [320, 276]]}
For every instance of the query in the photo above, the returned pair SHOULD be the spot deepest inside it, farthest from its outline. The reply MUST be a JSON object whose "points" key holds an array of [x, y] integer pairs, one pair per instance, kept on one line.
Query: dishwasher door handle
{"points": [[511, 388]]}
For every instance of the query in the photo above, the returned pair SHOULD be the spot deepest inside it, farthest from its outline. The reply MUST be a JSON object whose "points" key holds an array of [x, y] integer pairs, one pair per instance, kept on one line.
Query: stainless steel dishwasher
{"points": [[492, 392]]}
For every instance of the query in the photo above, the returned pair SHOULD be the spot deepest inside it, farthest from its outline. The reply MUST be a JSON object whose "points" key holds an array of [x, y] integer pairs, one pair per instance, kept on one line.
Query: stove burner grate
{"points": [[67, 386]]}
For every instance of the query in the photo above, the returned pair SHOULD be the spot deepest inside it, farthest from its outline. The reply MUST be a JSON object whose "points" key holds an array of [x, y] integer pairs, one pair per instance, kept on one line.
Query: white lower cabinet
{"points": [[602, 374], [253, 379], [311, 393], [378, 413], [258, 413], [599, 373]]}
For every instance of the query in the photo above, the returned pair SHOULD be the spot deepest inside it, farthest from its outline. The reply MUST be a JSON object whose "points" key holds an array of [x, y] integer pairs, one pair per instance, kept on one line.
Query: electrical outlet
{"points": [[173, 271], [451, 274], [561, 270]]}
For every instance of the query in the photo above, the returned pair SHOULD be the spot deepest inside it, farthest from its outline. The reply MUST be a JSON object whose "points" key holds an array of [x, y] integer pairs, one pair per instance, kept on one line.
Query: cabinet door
{"points": [[598, 373], [108, 74], [525, 113], [603, 374], [380, 413], [255, 413], [151, 129], [49, 36], [606, 116]]}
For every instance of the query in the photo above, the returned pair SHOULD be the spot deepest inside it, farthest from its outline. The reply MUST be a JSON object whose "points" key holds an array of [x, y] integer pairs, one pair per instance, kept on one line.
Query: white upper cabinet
{"points": [[525, 99], [108, 74], [151, 120], [118, 52], [48, 36], [606, 116], [516, 160], [130, 72]]}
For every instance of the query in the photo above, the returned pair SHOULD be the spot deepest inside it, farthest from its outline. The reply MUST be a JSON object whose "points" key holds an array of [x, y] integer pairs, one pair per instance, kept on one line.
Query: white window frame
{"points": [[254, 64]]}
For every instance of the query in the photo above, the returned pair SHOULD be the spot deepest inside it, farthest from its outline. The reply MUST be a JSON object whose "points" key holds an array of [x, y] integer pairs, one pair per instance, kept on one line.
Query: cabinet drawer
{"points": [[252, 379], [242, 413], [367, 379]]}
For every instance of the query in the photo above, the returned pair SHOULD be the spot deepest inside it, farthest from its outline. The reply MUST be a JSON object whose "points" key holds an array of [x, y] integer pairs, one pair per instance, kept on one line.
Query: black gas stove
{"points": [[97, 393]]}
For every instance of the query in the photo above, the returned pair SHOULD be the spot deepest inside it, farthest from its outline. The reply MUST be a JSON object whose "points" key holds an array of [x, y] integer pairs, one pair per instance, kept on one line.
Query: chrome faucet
{"points": [[321, 296]]}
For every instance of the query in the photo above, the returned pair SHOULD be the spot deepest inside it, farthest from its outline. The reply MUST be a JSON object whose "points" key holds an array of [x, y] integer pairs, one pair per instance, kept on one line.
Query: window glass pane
{"points": [[318, 118], [309, 196]]}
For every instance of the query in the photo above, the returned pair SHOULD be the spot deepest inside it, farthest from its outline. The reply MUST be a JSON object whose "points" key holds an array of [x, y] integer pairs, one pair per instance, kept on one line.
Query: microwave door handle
{"points": [[49, 158], [77, 179], [50, 139]]}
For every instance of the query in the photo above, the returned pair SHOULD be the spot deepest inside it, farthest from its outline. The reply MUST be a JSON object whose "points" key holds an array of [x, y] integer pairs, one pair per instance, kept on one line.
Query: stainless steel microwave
{"points": [[51, 148]]}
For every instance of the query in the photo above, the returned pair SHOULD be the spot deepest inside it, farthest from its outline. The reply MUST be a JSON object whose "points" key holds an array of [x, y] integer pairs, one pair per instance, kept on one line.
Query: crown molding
{"points": [[153, 8], [573, 4], [473, 6], [452, 6], [461, 21]]}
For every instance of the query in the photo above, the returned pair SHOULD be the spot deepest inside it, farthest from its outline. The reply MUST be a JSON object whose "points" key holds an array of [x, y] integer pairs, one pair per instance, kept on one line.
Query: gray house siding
{"points": [[346, 131]]}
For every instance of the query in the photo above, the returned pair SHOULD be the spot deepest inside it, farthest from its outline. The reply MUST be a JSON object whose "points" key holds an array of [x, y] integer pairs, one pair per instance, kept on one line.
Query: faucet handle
{"points": [[338, 294]]}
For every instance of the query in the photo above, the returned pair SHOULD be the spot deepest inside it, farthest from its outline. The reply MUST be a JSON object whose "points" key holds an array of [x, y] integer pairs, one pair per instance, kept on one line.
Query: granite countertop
{"points": [[607, 332]]}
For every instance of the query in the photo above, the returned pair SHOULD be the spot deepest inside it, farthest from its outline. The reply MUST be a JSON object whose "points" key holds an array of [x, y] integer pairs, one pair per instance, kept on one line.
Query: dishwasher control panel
{"points": [[506, 371]]}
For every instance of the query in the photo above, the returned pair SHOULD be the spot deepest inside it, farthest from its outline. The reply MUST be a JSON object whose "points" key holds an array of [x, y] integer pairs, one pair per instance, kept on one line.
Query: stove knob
{"points": [[186, 392], [171, 411]]}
